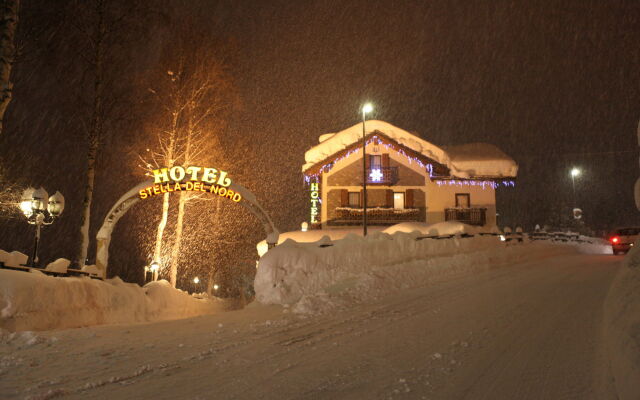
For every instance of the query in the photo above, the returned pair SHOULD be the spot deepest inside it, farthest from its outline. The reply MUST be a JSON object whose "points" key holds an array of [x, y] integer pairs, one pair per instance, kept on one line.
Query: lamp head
{"points": [[26, 202], [154, 266], [39, 200], [196, 280], [56, 204], [367, 108], [575, 172]]}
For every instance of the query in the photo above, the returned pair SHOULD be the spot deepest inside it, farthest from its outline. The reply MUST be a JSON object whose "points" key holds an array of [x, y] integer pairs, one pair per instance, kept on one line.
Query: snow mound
{"points": [[315, 277], [591, 245], [35, 301], [622, 325], [60, 265], [314, 235], [437, 229]]}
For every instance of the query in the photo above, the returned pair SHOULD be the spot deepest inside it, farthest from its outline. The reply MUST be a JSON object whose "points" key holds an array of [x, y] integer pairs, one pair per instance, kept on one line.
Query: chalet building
{"points": [[408, 179]]}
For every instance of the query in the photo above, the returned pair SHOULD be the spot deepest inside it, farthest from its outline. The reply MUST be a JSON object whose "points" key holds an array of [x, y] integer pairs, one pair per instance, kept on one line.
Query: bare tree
{"points": [[194, 101], [8, 25], [100, 24]]}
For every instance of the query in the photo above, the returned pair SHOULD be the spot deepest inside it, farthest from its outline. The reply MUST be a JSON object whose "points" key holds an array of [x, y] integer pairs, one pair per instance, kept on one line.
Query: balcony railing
{"points": [[376, 215], [382, 175], [469, 216]]}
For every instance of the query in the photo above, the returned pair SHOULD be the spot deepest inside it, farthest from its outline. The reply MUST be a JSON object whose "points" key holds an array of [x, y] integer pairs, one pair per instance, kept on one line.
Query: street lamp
{"points": [[40, 209], [367, 108], [196, 280], [575, 172], [154, 267]]}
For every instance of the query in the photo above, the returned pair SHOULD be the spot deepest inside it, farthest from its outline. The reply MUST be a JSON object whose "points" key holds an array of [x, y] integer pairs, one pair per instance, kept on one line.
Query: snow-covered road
{"points": [[526, 331]]}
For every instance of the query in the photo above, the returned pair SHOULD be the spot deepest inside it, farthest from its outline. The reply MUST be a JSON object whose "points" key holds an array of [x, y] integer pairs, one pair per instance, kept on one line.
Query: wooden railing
{"points": [[469, 216], [345, 215]]}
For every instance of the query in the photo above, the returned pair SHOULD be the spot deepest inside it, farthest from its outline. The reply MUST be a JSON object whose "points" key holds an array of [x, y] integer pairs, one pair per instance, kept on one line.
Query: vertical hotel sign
{"points": [[315, 200]]}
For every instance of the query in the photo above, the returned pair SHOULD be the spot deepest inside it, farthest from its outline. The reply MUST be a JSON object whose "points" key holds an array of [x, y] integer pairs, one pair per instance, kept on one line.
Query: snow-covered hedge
{"points": [[34, 301], [622, 324]]}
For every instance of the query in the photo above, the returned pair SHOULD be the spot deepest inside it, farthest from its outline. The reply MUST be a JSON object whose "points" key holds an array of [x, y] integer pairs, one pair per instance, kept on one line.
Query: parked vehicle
{"points": [[622, 239]]}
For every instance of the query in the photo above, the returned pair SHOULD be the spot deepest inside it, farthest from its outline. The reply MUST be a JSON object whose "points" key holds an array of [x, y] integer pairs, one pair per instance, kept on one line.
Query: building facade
{"points": [[408, 179]]}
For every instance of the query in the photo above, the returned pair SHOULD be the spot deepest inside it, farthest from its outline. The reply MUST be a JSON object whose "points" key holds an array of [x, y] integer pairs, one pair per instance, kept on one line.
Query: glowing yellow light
{"points": [[25, 206], [367, 108]]}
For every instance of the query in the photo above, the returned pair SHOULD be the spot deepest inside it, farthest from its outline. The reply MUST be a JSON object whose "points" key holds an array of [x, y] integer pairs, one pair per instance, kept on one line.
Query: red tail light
{"points": [[615, 239]]}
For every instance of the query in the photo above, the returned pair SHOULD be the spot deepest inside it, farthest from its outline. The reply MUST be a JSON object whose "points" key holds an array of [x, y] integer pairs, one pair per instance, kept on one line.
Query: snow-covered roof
{"points": [[480, 160], [343, 139], [467, 161]]}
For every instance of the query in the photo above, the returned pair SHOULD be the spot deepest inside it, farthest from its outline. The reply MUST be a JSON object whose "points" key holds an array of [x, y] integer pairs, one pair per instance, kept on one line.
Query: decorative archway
{"points": [[124, 203]]}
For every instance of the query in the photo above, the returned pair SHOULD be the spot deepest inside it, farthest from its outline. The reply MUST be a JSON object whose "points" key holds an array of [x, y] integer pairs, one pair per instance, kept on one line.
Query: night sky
{"points": [[554, 84]]}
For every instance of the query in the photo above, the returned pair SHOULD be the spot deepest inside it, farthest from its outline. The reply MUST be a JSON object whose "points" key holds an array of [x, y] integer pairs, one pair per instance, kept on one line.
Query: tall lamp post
{"points": [[40, 209], [575, 172], [367, 108]]}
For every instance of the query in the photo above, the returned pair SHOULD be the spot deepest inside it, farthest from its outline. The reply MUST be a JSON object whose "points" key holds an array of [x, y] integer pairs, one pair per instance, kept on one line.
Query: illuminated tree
{"points": [[195, 98]]}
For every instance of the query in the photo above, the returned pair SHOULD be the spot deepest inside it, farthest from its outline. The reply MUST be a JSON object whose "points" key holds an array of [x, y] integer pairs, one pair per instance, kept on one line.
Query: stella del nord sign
{"points": [[190, 179]]}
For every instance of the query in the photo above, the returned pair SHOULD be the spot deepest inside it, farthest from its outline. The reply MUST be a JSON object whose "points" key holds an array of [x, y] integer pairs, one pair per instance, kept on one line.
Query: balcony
{"points": [[469, 216], [376, 216], [382, 175]]}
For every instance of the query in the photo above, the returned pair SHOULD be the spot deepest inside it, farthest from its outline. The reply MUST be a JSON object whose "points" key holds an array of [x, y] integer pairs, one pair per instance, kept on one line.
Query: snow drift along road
{"points": [[34, 301], [314, 276]]}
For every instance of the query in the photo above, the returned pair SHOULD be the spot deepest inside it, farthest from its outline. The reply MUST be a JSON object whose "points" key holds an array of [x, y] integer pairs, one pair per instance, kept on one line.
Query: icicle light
{"points": [[429, 167]]}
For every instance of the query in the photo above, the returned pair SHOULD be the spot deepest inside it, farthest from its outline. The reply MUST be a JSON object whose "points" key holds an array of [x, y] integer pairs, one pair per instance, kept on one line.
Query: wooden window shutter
{"points": [[368, 162], [344, 198], [408, 198], [385, 160], [389, 198], [361, 197]]}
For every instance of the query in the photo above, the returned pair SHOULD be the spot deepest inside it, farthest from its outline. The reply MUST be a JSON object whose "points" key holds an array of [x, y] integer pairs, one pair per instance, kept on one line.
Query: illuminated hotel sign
{"points": [[190, 179], [315, 199]]}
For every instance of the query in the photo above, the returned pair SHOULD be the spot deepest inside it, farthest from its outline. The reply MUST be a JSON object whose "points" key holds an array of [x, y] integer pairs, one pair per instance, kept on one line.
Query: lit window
{"points": [[354, 199]]}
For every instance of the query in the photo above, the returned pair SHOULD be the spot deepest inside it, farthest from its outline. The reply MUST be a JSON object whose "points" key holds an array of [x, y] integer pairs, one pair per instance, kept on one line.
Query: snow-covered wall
{"points": [[34, 301]]}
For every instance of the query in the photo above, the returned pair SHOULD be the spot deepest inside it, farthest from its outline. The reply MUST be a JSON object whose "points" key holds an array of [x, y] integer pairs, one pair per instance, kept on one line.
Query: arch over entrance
{"points": [[130, 198]]}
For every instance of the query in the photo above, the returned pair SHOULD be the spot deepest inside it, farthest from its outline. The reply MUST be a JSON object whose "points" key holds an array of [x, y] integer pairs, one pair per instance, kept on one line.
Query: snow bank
{"points": [[622, 326], [437, 229], [314, 278], [314, 235], [34, 301]]}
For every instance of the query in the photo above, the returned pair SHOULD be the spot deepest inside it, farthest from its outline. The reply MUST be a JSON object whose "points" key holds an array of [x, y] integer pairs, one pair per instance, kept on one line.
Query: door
{"points": [[398, 201]]}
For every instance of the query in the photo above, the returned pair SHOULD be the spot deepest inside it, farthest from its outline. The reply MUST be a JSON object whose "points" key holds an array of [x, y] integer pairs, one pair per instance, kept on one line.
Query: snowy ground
{"points": [[530, 327]]}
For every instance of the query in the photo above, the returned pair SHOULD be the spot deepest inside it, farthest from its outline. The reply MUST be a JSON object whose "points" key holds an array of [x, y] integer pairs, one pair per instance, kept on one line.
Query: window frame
{"points": [[468, 197], [354, 205]]}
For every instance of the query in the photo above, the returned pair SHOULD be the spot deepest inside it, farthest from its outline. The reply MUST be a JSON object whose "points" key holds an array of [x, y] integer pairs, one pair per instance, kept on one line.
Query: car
{"points": [[622, 239]]}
